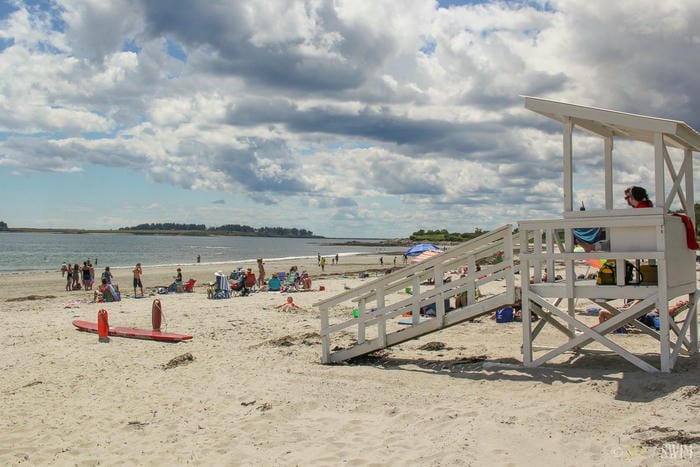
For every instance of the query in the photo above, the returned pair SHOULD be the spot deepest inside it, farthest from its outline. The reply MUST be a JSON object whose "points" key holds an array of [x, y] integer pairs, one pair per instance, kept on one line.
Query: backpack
{"points": [[607, 273]]}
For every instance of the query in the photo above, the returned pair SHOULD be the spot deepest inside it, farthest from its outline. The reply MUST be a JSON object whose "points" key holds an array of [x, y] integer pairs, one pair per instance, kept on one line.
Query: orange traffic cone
{"points": [[102, 326], [156, 315]]}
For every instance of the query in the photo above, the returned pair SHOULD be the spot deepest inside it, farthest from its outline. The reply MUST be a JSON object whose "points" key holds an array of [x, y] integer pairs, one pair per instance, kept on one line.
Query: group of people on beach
{"points": [[78, 277], [322, 261], [83, 277]]}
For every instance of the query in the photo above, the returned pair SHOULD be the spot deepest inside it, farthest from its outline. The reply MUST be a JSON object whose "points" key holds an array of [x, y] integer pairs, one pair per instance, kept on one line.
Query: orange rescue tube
{"points": [[156, 315], [102, 326]]}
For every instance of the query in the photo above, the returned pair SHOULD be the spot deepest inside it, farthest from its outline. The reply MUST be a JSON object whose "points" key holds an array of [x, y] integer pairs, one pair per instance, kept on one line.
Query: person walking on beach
{"points": [[336, 258], [261, 273], [322, 263], [137, 278], [64, 268], [69, 278]]}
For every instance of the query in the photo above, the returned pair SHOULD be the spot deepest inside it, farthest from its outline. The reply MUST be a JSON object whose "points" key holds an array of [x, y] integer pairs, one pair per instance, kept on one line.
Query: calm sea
{"points": [[26, 252]]}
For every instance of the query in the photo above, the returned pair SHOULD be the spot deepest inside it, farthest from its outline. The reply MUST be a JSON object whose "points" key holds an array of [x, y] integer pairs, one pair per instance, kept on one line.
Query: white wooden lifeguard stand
{"points": [[637, 235], [650, 235]]}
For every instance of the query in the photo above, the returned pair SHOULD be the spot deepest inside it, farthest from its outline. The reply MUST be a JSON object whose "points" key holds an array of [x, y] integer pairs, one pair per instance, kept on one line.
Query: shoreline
{"points": [[195, 264]]}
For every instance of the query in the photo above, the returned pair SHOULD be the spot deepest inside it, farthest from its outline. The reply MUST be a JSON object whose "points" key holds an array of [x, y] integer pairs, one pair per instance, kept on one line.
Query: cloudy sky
{"points": [[369, 118]]}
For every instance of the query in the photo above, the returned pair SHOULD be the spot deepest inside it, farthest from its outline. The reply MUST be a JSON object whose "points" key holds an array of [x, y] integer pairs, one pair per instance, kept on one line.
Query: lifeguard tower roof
{"points": [[611, 123]]}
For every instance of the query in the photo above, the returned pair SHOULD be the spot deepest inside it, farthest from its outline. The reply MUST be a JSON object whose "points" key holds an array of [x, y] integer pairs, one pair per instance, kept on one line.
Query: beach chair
{"points": [[291, 279], [189, 285], [282, 276], [250, 281], [274, 285], [221, 288]]}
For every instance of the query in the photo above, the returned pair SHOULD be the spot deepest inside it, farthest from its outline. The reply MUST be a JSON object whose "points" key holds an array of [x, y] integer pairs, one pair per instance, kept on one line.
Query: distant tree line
{"points": [[443, 235], [228, 229], [264, 231], [166, 226]]}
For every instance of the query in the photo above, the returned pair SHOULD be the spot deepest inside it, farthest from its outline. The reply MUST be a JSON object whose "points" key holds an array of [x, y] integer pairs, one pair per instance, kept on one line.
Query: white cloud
{"points": [[364, 110]]}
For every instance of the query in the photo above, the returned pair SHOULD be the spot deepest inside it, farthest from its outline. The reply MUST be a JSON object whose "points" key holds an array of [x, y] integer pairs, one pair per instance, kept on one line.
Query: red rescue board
{"points": [[134, 333]]}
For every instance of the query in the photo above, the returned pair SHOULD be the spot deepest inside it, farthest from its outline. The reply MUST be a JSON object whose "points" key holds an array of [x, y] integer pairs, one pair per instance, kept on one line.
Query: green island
{"points": [[170, 228]]}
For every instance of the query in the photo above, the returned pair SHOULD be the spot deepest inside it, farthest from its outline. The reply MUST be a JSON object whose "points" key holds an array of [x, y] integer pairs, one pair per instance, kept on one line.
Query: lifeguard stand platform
{"points": [[650, 236]]}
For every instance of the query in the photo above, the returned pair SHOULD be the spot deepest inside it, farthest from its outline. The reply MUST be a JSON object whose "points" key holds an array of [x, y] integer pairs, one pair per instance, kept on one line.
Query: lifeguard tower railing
{"points": [[636, 236], [382, 302]]}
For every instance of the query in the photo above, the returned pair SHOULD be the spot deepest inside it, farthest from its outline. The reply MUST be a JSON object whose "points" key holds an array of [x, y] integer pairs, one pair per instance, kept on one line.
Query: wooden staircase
{"points": [[382, 302]]}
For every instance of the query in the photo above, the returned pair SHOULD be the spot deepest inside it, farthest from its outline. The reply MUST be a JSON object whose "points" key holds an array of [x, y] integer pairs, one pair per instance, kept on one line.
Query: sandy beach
{"points": [[255, 392]]}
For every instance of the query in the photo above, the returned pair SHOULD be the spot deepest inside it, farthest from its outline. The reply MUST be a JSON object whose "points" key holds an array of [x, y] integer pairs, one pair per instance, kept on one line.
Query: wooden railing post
{"points": [[325, 338]]}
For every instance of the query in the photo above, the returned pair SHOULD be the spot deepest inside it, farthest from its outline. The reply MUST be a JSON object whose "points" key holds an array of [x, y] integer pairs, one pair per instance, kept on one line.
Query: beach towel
{"points": [[111, 294], [589, 235], [690, 239]]}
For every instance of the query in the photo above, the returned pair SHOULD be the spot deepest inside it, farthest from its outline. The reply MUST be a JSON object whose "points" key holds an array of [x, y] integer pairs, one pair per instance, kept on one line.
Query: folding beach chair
{"points": [[189, 285]]}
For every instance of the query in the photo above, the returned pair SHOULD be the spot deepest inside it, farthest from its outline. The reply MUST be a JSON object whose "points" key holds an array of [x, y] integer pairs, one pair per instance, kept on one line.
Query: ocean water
{"points": [[27, 252]]}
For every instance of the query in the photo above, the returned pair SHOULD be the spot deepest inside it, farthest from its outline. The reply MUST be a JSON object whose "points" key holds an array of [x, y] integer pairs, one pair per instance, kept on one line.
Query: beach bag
{"points": [[607, 273], [650, 273], [505, 315]]}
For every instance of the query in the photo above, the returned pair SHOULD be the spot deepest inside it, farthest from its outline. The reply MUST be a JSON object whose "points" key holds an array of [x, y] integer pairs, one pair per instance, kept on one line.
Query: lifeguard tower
{"points": [[649, 237], [652, 237]]}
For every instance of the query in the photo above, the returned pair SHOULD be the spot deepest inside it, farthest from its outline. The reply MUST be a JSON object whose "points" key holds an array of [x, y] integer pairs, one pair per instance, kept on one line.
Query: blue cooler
{"points": [[505, 315]]}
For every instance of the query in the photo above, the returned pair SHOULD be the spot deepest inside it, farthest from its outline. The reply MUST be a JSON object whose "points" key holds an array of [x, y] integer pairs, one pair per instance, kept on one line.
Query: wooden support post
{"points": [[693, 317], [659, 197], [381, 325], [415, 307], [608, 172], [664, 317], [361, 326], [525, 299], [549, 248], [689, 186], [568, 164], [325, 337]]}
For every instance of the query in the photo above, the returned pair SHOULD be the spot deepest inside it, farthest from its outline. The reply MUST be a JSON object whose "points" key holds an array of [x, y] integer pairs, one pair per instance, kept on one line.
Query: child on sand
{"points": [[289, 305]]}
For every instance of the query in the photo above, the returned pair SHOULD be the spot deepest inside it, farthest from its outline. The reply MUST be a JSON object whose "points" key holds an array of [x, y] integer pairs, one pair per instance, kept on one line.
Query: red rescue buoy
{"points": [[102, 326], [156, 315]]}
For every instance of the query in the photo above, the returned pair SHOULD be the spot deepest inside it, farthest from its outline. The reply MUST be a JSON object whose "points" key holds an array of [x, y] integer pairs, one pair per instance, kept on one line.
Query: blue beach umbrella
{"points": [[420, 248]]}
